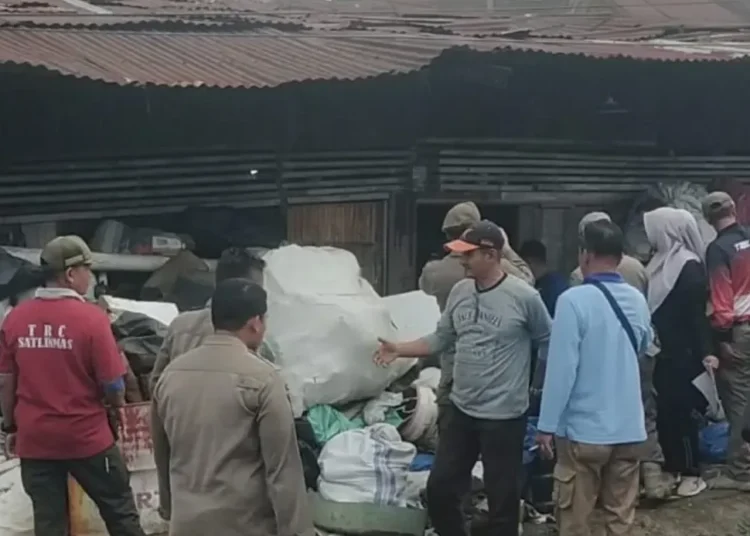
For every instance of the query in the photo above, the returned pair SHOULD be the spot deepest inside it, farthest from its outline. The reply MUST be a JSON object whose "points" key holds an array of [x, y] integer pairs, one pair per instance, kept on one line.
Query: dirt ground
{"points": [[710, 514]]}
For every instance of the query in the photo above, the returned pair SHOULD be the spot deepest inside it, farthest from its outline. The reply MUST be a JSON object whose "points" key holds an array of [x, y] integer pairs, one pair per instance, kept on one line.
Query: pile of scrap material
{"points": [[323, 327], [184, 280], [139, 328], [366, 434]]}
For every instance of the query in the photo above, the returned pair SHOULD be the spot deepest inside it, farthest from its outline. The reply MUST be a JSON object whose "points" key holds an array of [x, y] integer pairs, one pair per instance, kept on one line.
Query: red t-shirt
{"points": [[63, 352]]}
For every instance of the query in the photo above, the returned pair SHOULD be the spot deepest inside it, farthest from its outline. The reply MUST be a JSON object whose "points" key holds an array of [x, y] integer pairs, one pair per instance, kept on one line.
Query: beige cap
{"points": [[65, 251], [462, 215], [715, 203]]}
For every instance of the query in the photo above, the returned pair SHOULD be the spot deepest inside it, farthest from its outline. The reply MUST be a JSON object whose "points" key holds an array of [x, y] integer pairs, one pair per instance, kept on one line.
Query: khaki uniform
{"points": [[630, 268], [225, 445], [733, 383], [634, 273], [585, 473], [186, 332]]}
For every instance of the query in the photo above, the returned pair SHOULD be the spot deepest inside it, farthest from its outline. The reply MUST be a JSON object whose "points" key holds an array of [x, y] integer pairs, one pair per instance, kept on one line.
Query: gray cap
{"points": [[64, 252], [715, 203], [591, 217]]}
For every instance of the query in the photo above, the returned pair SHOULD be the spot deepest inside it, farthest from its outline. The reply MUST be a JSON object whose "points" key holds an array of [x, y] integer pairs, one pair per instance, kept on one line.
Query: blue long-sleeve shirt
{"points": [[592, 391]]}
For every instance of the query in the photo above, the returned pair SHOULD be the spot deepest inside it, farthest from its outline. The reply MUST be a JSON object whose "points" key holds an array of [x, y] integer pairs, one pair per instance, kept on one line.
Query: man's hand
{"points": [[711, 362], [386, 353], [546, 444], [727, 353], [9, 445]]}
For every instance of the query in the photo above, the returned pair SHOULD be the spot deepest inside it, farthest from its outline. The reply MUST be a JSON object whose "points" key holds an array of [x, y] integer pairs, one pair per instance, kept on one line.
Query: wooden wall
{"points": [[557, 227], [358, 227]]}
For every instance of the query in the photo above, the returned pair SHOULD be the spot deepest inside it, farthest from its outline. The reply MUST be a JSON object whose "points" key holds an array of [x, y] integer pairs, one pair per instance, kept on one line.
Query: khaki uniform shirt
{"points": [[225, 446], [630, 268], [438, 278], [186, 332]]}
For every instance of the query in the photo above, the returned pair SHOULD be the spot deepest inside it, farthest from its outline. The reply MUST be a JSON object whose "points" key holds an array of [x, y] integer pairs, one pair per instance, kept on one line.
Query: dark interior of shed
{"points": [[430, 237]]}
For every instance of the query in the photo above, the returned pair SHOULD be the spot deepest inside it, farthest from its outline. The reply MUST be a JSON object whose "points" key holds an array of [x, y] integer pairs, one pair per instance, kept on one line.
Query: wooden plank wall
{"points": [[402, 236], [357, 227]]}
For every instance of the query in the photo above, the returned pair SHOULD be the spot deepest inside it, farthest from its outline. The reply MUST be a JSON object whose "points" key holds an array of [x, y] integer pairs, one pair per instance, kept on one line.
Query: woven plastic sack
{"points": [[370, 465]]}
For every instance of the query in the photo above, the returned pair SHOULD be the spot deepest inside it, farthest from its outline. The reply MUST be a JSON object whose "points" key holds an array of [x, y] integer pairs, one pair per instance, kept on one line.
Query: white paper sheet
{"points": [[706, 384]]}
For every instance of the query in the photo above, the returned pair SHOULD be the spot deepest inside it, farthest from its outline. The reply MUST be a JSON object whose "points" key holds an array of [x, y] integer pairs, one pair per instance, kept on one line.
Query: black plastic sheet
{"points": [[17, 275], [140, 337]]}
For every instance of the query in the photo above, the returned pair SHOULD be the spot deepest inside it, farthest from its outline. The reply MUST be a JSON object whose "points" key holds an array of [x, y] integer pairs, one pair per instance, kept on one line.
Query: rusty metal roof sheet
{"points": [[717, 12], [195, 24], [271, 58], [648, 12], [601, 19]]}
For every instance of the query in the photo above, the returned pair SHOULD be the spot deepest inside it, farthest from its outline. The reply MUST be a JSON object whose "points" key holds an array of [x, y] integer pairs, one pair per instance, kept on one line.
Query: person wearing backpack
{"points": [[677, 297], [592, 414]]}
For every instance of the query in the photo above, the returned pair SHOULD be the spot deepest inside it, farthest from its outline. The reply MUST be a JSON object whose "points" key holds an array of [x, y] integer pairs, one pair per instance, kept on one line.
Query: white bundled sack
{"points": [[369, 465], [415, 314], [323, 325], [16, 513]]}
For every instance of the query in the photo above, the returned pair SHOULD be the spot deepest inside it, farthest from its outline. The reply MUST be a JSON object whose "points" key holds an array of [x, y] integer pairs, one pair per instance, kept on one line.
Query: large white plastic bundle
{"points": [[16, 514], [323, 325]]}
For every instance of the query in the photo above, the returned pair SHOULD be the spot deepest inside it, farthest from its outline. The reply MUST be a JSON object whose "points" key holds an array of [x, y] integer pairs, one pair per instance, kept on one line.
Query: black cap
{"points": [[483, 235]]}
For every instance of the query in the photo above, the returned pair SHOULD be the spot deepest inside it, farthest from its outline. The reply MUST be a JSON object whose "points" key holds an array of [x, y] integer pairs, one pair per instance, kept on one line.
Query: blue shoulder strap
{"points": [[619, 313]]}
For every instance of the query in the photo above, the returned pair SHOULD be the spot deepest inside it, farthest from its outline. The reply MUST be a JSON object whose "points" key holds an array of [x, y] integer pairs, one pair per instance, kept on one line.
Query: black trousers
{"points": [[676, 400], [462, 440], [103, 477]]}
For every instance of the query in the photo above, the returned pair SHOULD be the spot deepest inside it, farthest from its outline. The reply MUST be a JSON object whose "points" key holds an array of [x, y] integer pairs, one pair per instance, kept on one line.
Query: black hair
{"points": [[237, 263], [235, 301], [533, 249], [603, 238]]}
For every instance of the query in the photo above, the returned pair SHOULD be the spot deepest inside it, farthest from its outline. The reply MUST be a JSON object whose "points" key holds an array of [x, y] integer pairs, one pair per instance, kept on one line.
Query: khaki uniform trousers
{"points": [[586, 475], [733, 383]]}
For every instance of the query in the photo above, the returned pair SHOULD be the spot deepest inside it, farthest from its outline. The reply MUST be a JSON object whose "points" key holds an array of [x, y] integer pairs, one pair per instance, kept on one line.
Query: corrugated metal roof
{"points": [[601, 19], [271, 58], [717, 12], [195, 23]]}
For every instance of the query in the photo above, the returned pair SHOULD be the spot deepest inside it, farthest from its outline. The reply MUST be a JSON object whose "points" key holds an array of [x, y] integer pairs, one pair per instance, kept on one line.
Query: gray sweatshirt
{"points": [[493, 331]]}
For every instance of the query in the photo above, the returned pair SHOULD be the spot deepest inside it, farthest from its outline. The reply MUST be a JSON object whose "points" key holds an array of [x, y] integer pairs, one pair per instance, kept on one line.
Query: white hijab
{"points": [[675, 235]]}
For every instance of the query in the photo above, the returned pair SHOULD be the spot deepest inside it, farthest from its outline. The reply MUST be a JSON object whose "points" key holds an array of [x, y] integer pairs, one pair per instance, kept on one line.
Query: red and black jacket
{"points": [[728, 264]]}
